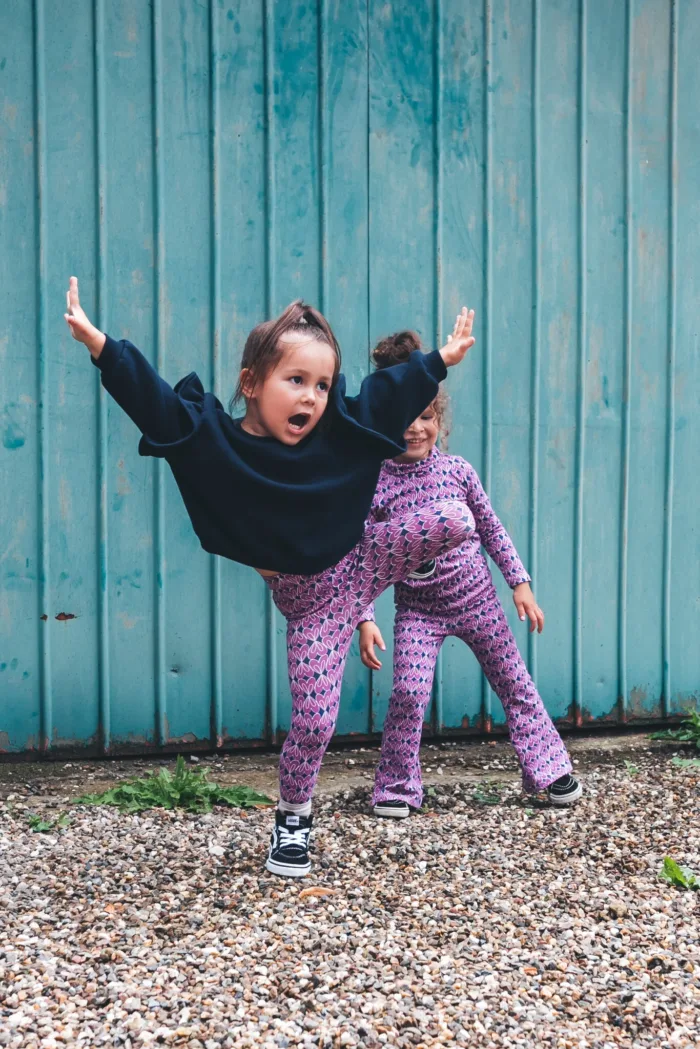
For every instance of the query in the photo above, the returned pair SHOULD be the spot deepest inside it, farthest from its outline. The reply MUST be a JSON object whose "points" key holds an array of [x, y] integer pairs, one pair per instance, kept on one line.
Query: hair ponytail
{"points": [[395, 349]]}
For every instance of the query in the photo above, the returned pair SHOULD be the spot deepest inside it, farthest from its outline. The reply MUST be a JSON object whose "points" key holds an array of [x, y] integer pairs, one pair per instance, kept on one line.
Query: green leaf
{"points": [[686, 763], [682, 877], [632, 769]]}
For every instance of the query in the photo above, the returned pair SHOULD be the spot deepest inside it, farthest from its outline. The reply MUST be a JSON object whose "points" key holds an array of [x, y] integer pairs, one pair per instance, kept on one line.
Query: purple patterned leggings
{"points": [[322, 612], [482, 625]]}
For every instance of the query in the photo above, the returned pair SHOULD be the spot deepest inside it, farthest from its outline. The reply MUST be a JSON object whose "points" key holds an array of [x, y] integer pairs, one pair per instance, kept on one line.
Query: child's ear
{"points": [[247, 383]]}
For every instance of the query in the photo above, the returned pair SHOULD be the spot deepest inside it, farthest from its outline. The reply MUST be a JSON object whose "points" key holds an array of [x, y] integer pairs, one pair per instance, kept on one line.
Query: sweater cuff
{"points": [[111, 352], [435, 365]]}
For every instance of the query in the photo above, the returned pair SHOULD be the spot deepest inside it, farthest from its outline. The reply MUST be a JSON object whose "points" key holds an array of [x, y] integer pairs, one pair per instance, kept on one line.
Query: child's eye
{"points": [[323, 387], [297, 379]]}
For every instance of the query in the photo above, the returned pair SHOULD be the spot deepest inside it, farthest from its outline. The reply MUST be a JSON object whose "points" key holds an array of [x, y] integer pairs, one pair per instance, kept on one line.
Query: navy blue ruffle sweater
{"points": [[285, 508]]}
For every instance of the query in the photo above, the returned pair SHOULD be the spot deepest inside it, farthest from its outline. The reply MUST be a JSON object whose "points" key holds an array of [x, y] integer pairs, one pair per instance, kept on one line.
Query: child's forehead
{"points": [[299, 348]]}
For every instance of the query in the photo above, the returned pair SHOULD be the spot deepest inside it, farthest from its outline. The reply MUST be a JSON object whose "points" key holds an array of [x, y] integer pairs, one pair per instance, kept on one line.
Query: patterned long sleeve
{"points": [[494, 537]]}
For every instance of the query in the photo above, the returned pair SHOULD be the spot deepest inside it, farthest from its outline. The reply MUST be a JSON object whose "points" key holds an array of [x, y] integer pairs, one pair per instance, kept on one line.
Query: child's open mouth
{"points": [[298, 422]]}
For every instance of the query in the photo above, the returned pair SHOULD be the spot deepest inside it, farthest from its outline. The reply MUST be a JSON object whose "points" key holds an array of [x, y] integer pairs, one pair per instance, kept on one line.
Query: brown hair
{"points": [[396, 349], [263, 346]]}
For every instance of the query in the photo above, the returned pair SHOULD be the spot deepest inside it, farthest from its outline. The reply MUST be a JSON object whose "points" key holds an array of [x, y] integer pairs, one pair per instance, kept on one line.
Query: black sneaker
{"points": [[289, 845], [564, 791], [423, 571], [392, 810]]}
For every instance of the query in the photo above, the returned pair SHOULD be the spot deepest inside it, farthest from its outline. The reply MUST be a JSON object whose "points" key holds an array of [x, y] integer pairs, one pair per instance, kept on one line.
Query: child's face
{"points": [[289, 402], [420, 437]]}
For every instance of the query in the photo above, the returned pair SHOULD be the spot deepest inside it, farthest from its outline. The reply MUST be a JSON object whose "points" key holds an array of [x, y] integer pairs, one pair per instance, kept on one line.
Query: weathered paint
{"points": [[199, 165]]}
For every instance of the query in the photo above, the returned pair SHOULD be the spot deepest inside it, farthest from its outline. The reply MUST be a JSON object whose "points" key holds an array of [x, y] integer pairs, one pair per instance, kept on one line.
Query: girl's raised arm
{"points": [[391, 398], [134, 384]]}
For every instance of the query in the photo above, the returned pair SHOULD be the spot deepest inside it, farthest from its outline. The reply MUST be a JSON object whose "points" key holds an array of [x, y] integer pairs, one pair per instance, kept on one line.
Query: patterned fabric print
{"points": [[463, 573], [483, 626], [322, 613], [417, 641]]}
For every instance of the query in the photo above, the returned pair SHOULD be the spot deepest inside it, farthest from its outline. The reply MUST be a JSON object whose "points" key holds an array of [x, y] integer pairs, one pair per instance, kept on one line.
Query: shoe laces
{"points": [[293, 838]]}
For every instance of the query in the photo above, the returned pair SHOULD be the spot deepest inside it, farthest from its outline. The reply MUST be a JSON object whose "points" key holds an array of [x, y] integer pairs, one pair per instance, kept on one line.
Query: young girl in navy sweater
{"points": [[453, 596], [286, 489]]}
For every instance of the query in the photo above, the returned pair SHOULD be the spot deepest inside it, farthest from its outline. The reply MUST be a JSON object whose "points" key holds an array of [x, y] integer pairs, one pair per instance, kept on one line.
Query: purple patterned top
{"points": [[405, 487]]}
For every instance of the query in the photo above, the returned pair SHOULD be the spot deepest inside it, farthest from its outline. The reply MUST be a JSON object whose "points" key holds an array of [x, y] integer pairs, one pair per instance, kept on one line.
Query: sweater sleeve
{"points": [[391, 398], [162, 414], [368, 615], [494, 538]]}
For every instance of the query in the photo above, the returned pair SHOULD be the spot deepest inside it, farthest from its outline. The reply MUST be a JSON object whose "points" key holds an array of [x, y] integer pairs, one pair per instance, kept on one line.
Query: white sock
{"points": [[299, 808]]}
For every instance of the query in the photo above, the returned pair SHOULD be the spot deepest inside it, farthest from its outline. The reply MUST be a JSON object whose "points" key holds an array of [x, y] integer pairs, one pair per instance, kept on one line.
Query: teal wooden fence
{"points": [[200, 164]]}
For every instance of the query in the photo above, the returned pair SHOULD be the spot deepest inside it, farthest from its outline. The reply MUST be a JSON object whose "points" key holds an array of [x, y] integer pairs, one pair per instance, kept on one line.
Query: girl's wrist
{"points": [[95, 343]]}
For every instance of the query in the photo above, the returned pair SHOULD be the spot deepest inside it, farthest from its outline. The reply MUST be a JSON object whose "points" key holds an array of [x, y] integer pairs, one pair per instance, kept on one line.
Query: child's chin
{"points": [[411, 457]]}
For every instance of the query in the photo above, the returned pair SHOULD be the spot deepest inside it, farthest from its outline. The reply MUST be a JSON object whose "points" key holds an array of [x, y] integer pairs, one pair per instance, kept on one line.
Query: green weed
{"points": [[43, 826], [185, 788], [687, 732], [487, 795], [677, 875], [686, 763]]}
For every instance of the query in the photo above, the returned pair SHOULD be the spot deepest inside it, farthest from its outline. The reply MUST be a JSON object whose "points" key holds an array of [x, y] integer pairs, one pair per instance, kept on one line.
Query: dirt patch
{"points": [[57, 783]]}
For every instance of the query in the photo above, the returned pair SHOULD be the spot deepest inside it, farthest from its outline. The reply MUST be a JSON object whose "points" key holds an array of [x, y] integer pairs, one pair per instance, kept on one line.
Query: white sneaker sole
{"points": [[287, 870], [391, 813], [568, 800]]}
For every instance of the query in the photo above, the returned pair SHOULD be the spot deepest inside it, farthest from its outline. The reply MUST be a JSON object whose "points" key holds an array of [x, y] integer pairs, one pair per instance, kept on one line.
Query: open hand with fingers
{"points": [[528, 608], [461, 339], [81, 328]]}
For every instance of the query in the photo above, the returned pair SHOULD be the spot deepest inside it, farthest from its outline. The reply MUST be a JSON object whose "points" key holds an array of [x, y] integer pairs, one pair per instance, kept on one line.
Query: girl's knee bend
{"points": [[467, 522], [458, 519]]}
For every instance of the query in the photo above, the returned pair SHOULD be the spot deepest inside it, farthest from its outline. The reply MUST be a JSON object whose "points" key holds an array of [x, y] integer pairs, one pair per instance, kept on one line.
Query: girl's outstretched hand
{"points": [[370, 635], [460, 340], [80, 327], [528, 608]]}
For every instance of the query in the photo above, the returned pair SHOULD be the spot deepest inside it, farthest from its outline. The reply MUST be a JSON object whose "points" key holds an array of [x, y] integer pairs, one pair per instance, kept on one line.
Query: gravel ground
{"points": [[486, 920]]}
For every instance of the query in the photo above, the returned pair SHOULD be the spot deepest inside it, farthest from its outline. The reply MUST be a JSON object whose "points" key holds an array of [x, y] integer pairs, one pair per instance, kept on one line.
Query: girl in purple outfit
{"points": [[453, 596]]}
